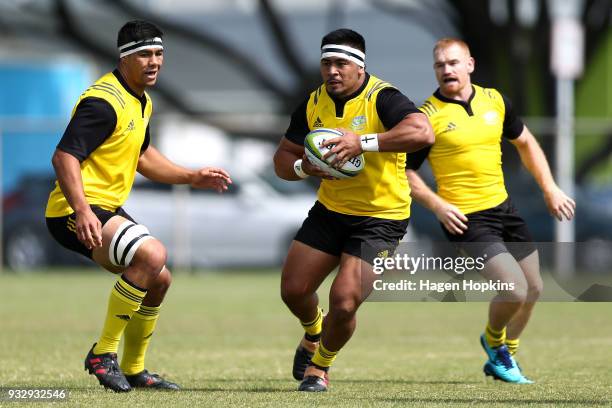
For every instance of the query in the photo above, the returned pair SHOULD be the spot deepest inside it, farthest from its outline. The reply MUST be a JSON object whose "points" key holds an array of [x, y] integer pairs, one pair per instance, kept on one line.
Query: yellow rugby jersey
{"points": [[466, 157], [381, 190], [108, 161]]}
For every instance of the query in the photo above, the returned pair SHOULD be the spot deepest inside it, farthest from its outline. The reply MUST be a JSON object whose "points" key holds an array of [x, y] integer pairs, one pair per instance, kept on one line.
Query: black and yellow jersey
{"points": [[107, 133], [466, 157], [381, 190]]}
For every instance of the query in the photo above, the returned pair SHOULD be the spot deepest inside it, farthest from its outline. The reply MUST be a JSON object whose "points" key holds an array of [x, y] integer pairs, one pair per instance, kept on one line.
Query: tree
{"points": [[515, 57]]}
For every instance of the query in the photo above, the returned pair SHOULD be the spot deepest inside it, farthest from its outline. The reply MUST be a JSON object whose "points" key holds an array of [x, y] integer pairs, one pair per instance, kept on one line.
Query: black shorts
{"points": [[363, 237], [62, 228], [493, 231]]}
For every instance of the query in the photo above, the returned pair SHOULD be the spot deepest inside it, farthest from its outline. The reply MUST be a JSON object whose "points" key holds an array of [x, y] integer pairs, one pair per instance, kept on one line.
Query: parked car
{"points": [[25, 238], [593, 218], [251, 224], [593, 221]]}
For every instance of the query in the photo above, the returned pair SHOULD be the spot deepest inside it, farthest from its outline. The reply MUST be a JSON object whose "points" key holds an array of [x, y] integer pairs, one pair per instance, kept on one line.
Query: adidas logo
{"points": [[383, 254], [130, 126], [451, 126], [318, 123], [123, 317]]}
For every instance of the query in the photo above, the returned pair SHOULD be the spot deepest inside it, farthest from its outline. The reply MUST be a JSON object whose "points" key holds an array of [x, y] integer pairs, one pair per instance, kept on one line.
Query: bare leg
{"points": [[303, 272], [505, 304], [531, 269], [345, 297]]}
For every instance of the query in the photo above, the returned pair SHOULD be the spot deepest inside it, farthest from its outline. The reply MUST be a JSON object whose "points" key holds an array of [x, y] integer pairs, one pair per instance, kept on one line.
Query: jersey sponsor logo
{"points": [[318, 123], [491, 118], [358, 123], [450, 127]]}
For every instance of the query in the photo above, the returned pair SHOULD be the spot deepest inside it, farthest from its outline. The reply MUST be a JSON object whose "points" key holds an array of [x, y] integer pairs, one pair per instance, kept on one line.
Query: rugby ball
{"points": [[315, 152]]}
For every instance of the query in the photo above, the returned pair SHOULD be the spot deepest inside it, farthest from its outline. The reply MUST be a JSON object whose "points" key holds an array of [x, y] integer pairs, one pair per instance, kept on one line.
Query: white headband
{"points": [[343, 51], [134, 46]]}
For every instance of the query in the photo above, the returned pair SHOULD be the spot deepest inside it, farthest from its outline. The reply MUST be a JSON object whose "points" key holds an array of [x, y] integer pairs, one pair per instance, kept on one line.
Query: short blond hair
{"points": [[448, 41]]}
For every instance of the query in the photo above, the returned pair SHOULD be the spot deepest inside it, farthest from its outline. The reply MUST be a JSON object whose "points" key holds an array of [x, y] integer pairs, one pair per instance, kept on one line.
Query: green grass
{"points": [[229, 341]]}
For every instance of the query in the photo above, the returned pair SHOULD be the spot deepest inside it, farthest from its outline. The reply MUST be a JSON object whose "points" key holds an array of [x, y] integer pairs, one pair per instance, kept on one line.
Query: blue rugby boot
{"points": [[501, 365], [529, 381], [490, 370]]}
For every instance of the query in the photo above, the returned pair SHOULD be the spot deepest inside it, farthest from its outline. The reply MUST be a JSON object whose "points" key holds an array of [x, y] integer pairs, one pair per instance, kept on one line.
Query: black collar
{"points": [[339, 103], [354, 94], [466, 105], [119, 77]]}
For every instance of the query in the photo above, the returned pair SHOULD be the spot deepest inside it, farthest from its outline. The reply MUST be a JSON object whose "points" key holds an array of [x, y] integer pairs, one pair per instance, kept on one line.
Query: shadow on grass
{"points": [[509, 401], [286, 386], [348, 381], [407, 382], [254, 390], [291, 386]]}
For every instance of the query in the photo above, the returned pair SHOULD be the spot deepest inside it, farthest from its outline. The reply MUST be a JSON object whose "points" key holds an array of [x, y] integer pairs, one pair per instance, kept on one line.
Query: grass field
{"points": [[228, 340]]}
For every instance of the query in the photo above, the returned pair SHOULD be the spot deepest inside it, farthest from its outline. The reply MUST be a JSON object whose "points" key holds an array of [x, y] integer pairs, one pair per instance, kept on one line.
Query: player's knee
{"points": [[291, 293], [287, 296], [343, 306], [162, 282], [517, 292], [151, 258], [535, 290]]}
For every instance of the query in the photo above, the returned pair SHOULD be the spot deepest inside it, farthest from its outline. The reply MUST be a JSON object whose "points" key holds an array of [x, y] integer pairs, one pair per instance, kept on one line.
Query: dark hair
{"points": [[137, 30], [344, 36]]}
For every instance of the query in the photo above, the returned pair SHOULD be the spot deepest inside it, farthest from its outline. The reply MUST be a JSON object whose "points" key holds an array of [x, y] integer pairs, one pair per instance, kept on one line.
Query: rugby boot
{"points": [[302, 357], [501, 365], [144, 379], [315, 380], [106, 369]]}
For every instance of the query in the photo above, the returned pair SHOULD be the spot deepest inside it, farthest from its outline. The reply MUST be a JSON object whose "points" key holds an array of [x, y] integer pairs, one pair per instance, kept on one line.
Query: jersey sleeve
{"points": [[298, 127], [146, 141], [94, 120], [415, 160], [393, 106], [513, 125]]}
